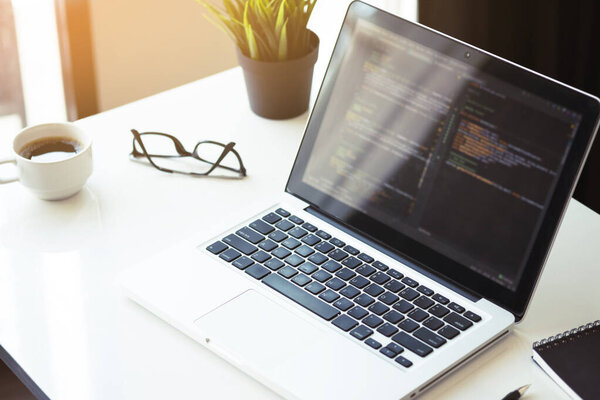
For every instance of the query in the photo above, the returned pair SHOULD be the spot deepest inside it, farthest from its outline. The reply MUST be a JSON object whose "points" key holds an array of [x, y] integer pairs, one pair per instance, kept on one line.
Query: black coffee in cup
{"points": [[52, 148]]}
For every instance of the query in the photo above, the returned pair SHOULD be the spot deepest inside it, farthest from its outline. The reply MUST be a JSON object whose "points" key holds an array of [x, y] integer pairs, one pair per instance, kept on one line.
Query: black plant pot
{"points": [[280, 89]]}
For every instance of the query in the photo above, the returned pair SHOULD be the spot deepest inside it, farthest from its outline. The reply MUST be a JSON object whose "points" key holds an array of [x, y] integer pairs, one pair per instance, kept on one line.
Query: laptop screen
{"points": [[437, 148]]}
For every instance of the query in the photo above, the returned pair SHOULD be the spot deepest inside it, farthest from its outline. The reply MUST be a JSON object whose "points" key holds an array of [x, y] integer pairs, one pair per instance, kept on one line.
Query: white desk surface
{"points": [[66, 323]]}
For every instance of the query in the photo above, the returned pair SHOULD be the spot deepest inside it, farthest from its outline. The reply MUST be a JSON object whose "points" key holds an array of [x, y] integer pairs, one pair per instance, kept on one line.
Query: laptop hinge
{"points": [[395, 255]]}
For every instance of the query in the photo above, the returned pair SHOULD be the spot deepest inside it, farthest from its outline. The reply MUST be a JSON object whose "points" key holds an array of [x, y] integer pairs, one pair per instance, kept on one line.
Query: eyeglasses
{"points": [[166, 153]]}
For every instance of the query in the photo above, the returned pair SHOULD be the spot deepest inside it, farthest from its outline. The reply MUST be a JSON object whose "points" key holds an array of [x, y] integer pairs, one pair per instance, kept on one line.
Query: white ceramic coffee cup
{"points": [[52, 180]]}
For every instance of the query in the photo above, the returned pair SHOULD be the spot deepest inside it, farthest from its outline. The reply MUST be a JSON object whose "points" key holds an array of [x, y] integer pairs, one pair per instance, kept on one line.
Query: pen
{"points": [[517, 393]]}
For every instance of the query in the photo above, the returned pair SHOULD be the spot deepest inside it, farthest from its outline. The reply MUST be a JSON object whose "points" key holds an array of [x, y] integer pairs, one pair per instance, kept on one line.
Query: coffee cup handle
{"points": [[11, 160]]}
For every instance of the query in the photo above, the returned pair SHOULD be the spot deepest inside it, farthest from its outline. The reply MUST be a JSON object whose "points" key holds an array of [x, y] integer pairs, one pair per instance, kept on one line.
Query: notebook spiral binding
{"points": [[565, 335]]}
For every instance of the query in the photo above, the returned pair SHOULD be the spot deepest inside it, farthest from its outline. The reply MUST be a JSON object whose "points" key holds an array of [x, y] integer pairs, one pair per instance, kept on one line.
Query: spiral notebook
{"points": [[572, 360]]}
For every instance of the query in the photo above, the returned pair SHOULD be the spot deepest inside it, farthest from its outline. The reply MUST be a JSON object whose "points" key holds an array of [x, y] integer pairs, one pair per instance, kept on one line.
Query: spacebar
{"points": [[301, 297]]}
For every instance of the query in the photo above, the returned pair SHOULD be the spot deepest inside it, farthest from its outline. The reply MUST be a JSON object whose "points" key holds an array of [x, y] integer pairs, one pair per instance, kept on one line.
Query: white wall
{"points": [[142, 47]]}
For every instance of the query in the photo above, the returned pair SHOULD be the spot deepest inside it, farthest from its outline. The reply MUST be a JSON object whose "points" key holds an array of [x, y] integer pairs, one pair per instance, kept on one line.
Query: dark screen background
{"points": [[441, 152]]}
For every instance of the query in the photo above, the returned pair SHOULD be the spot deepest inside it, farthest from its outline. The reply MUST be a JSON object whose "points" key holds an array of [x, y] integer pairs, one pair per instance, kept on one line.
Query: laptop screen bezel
{"points": [[408, 248]]}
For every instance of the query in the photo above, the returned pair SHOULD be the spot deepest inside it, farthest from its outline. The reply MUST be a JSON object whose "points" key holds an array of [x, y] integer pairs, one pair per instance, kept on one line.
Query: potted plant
{"points": [[275, 50]]}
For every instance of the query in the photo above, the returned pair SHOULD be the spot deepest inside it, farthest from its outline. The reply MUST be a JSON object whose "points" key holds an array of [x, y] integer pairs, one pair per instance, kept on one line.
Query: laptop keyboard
{"points": [[345, 286]]}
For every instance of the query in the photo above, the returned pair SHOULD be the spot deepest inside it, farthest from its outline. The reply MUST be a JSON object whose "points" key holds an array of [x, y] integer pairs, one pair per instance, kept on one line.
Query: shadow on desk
{"points": [[11, 387]]}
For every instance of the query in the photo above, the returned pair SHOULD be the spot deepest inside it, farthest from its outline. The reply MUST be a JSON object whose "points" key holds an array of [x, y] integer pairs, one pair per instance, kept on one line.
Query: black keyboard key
{"points": [[242, 263], [281, 252], [366, 270], [404, 362], [393, 316], [410, 282], [274, 264], [317, 258], [229, 255], [217, 247], [267, 245], [351, 262], [364, 300], [387, 330], [329, 296], [372, 321], [344, 322], [433, 323], [429, 337], [458, 322], [448, 332], [472, 316], [250, 235], [380, 278], [262, 227], [350, 292], [321, 276], [338, 254], [309, 227], [271, 218], [374, 290], [394, 286], [287, 271], [301, 279], [387, 352], [304, 250], [459, 309], [261, 256], [358, 312], [240, 244], [343, 304], [336, 284], [395, 348], [440, 299], [337, 242], [351, 250], [324, 247], [403, 306], [425, 290], [294, 260], [345, 274], [278, 236], [388, 298], [282, 212], [394, 274], [418, 315], [311, 239], [331, 266], [380, 266], [296, 220], [439, 310], [366, 258], [323, 235], [361, 332], [359, 281], [408, 325], [409, 294], [424, 302], [257, 271], [378, 308], [297, 232], [414, 345], [315, 288], [284, 225], [373, 343], [291, 243]]}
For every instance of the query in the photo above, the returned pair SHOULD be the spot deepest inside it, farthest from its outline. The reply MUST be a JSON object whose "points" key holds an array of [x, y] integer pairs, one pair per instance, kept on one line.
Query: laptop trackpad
{"points": [[265, 339]]}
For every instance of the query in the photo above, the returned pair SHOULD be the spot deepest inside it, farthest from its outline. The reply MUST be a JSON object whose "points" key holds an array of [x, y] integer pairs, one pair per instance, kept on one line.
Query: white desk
{"points": [[69, 327]]}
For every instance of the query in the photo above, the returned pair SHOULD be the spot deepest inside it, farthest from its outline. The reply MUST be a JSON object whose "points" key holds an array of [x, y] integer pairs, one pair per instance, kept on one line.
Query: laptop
{"points": [[421, 207]]}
